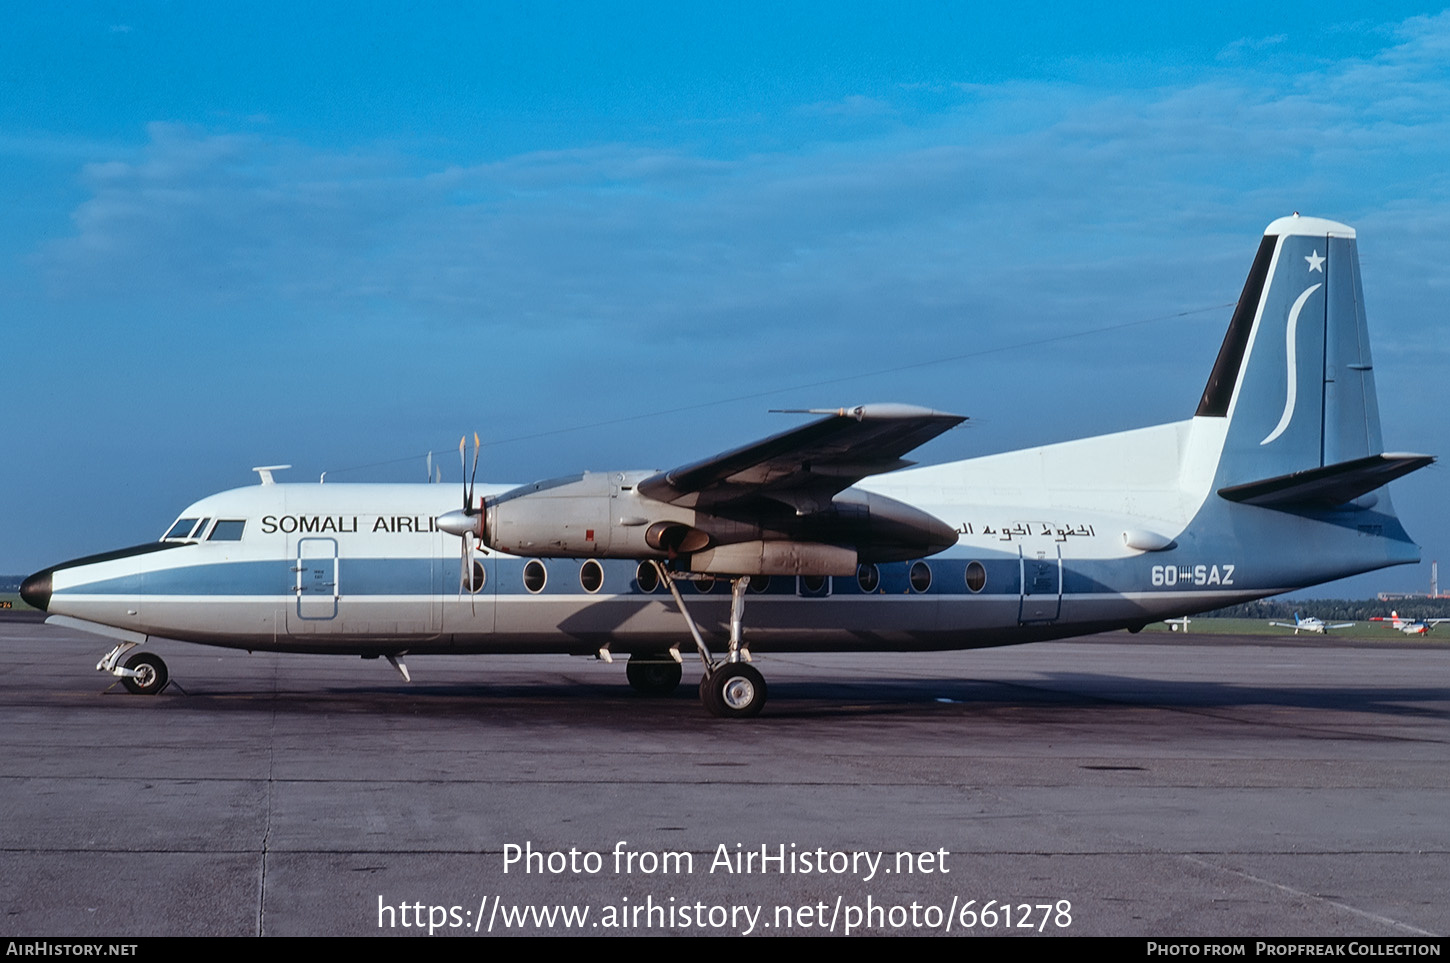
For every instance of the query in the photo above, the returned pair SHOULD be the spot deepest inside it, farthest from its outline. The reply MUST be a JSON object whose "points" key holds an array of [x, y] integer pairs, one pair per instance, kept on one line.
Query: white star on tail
{"points": [[1316, 263]]}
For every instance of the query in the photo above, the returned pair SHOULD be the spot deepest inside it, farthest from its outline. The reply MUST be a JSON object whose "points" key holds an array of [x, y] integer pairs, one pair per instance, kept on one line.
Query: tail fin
{"points": [[1294, 376]]}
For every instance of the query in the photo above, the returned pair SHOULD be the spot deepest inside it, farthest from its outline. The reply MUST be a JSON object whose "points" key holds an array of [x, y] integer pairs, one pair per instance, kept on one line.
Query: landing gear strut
{"points": [[732, 688], [143, 674]]}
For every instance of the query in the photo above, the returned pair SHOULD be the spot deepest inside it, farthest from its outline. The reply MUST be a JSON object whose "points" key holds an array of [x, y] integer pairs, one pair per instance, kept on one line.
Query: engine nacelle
{"points": [[603, 515], [775, 558], [596, 514]]}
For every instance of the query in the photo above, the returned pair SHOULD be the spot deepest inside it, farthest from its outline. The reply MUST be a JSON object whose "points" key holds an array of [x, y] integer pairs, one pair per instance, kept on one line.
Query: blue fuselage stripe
{"points": [[428, 577]]}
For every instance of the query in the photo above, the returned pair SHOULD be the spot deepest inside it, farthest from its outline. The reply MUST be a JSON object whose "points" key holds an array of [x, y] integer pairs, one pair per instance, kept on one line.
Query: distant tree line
{"points": [[1357, 610]]}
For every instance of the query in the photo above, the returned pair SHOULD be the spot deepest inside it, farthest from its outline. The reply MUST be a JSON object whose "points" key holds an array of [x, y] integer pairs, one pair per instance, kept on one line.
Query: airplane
{"points": [[823, 534], [1409, 626], [1310, 624], [1178, 625]]}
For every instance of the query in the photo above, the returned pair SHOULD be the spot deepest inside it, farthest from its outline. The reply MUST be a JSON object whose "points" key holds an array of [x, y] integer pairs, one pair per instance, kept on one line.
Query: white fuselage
{"points": [[1054, 541]]}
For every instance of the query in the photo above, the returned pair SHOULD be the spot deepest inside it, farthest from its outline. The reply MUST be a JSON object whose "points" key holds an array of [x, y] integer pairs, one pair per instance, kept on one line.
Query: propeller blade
{"points": [[462, 566], [462, 468], [472, 595], [474, 475]]}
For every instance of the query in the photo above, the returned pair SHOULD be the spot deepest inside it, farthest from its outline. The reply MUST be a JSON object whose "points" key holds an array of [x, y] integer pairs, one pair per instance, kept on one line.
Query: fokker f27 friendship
{"points": [[818, 538]]}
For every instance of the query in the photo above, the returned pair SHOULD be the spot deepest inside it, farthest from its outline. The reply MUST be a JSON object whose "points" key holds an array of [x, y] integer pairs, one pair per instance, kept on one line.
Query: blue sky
{"points": [[340, 235]]}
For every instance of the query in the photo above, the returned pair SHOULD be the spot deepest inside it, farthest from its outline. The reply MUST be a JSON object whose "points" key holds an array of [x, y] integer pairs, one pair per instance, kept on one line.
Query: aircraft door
{"points": [[1041, 586], [318, 584]]}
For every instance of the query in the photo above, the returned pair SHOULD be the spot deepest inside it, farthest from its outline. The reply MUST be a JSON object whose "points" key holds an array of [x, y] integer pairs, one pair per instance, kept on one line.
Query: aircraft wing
{"points": [[806, 466]]}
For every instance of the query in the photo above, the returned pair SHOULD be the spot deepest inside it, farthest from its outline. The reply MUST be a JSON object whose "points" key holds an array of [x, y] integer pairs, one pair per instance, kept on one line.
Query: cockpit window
{"points": [[186, 528], [182, 529], [228, 530]]}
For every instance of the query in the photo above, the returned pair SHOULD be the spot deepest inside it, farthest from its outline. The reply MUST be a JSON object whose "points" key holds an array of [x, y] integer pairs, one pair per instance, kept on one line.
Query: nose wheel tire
{"points": [[735, 690], [151, 675], [653, 678]]}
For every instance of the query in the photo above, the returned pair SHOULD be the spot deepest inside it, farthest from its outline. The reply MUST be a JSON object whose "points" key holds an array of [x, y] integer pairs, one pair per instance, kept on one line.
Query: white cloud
{"points": [[1251, 46]]}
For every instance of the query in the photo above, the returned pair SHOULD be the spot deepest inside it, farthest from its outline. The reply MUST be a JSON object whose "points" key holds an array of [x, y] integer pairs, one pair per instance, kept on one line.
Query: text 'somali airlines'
{"points": [[818, 538]]}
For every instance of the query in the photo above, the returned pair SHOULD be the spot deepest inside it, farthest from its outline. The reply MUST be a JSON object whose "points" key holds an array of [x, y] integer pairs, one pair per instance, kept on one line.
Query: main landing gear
{"points": [[732, 688], [143, 674], [653, 677]]}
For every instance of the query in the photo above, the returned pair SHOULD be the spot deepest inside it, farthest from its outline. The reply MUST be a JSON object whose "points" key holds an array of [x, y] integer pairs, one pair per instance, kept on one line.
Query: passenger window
{"points": [[976, 576], [535, 576], [813, 586], [228, 530], [920, 576]]}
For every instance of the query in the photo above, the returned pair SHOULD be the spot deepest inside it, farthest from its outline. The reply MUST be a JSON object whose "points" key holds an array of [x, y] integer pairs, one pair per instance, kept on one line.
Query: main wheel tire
{"points": [[707, 695], [153, 675], [653, 678], [735, 690]]}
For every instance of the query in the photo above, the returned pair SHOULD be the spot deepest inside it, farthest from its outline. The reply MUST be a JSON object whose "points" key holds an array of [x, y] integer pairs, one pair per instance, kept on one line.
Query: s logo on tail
{"points": [[1289, 349]]}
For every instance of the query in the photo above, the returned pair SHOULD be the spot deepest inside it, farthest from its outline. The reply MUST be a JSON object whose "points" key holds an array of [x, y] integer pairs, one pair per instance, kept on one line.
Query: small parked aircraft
{"points": [[1409, 626], [1310, 624], [822, 533]]}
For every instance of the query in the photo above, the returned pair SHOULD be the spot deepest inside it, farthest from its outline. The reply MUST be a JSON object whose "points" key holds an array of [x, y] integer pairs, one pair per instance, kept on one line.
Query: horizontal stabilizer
{"points": [[1328, 486]]}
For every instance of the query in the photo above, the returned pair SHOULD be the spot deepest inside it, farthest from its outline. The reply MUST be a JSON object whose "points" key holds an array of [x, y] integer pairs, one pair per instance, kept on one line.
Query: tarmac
{"points": [[1112, 785]]}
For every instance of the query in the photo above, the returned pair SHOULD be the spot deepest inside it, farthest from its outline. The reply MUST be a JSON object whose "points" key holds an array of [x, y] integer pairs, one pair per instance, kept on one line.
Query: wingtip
{"points": [[882, 411]]}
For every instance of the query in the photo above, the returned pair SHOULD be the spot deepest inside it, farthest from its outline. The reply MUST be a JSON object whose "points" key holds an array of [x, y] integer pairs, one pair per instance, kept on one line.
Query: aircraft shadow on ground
{"points": [[1056, 697]]}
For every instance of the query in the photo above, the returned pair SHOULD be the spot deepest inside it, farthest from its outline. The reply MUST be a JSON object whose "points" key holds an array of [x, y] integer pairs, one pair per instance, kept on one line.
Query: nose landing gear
{"points": [[150, 675], [143, 674]]}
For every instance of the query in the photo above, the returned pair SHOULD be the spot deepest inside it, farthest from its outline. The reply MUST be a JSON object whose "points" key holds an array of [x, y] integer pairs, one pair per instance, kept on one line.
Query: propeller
{"points": [[467, 523]]}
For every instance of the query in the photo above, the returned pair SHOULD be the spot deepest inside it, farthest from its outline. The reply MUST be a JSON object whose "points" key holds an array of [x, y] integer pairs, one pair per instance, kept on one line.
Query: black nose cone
{"points": [[36, 590]]}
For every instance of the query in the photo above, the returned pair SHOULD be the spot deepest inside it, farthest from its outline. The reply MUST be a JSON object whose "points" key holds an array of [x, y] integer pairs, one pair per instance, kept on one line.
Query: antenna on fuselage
{"points": [[266, 472]]}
